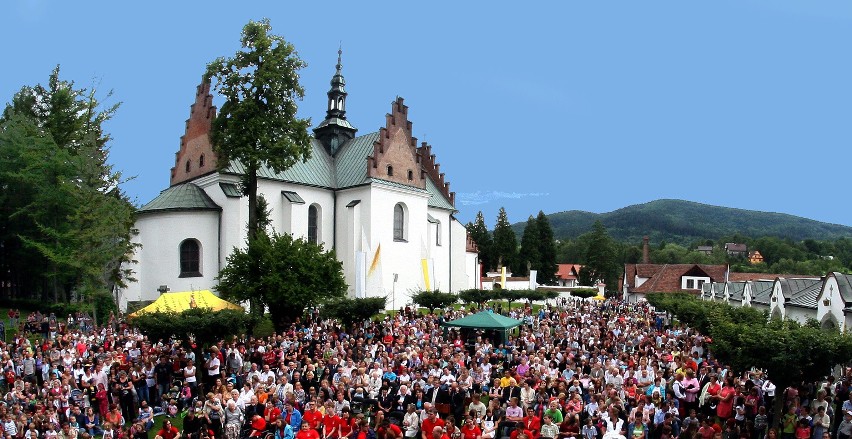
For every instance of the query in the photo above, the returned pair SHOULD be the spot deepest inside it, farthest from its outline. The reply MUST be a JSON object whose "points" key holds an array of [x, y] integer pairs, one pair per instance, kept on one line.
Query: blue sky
{"points": [[548, 106]]}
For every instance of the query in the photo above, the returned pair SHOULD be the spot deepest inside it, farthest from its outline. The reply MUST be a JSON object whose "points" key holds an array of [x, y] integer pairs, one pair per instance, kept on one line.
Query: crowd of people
{"points": [[578, 369]]}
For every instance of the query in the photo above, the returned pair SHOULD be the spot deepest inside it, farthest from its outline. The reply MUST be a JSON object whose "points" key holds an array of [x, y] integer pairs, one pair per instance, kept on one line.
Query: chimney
{"points": [[646, 257]]}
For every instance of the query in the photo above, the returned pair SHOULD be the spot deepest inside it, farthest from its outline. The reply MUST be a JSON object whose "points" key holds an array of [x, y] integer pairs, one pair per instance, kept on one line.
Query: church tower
{"points": [[335, 129]]}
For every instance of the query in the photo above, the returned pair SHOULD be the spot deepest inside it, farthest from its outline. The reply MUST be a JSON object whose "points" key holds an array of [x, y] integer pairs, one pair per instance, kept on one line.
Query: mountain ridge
{"points": [[684, 222]]}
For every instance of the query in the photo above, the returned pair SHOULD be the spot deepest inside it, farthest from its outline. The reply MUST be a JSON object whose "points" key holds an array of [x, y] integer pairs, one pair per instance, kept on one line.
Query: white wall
{"points": [[161, 233]]}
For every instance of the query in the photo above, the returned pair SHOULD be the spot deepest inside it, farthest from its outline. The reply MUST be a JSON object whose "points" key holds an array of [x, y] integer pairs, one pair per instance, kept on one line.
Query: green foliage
{"points": [[201, 325], [683, 222], [505, 245], [477, 296], [434, 299], [480, 235], [529, 252], [601, 262], [292, 275], [509, 296], [584, 293], [744, 338], [65, 224], [352, 311], [546, 266]]}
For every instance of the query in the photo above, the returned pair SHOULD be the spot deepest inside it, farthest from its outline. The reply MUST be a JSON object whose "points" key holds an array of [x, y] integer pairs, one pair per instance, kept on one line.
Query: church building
{"points": [[378, 199]]}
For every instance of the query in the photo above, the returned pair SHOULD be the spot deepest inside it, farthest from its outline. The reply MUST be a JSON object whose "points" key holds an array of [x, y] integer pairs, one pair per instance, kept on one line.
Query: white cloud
{"points": [[483, 197]]}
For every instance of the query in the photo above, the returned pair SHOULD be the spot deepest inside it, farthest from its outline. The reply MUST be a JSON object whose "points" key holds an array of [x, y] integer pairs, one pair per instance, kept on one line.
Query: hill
{"points": [[683, 222]]}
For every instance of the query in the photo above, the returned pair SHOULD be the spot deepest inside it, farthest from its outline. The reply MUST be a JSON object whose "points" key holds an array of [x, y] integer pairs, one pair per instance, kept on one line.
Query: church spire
{"points": [[335, 129]]}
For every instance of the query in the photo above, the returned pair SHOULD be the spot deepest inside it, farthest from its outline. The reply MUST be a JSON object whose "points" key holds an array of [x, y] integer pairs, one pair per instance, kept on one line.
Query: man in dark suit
{"points": [[511, 391]]}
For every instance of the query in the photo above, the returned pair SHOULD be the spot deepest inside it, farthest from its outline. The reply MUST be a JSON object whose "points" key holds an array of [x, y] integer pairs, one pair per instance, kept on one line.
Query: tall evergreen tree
{"points": [[601, 263], [547, 266], [482, 237], [505, 243], [529, 255], [62, 207]]}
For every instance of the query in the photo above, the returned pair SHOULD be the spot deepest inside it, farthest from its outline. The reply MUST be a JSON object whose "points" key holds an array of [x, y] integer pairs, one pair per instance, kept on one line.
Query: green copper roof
{"points": [[231, 190], [316, 171], [351, 160], [436, 198], [396, 185], [186, 196]]}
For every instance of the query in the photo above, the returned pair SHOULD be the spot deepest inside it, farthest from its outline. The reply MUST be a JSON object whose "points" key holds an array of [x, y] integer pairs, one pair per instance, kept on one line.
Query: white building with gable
{"points": [[379, 200]]}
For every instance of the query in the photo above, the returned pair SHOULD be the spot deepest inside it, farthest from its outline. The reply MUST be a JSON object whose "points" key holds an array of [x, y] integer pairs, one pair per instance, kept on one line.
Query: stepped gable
{"points": [[394, 155], [470, 245], [196, 157], [433, 170]]}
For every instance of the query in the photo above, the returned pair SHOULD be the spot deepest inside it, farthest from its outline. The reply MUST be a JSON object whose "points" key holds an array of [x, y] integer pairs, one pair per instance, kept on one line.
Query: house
{"points": [[754, 257], [834, 303], [641, 279], [705, 249], [567, 275], [738, 250], [795, 298], [379, 200]]}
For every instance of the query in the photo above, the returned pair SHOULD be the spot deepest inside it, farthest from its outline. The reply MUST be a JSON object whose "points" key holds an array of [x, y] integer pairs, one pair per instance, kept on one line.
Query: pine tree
{"points": [[601, 261], [505, 244], [529, 255], [547, 267], [480, 235]]}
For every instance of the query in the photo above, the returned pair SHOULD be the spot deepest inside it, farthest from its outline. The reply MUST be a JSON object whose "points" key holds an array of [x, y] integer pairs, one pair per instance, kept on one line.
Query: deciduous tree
{"points": [[292, 275]]}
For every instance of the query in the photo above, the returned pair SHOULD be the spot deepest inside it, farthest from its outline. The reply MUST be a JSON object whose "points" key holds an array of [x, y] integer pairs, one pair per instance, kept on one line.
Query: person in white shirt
{"points": [[189, 377]]}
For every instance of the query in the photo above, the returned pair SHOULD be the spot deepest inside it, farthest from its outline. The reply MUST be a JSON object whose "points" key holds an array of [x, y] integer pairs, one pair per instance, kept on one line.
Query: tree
{"points": [[505, 248], [744, 338], [257, 125], [63, 208], [600, 259], [584, 293], [510, 296], [529, 254], [352, 311], [480, 235], [434, 299], [202, 326], [292, 276], [547, 266], [476, 296]]}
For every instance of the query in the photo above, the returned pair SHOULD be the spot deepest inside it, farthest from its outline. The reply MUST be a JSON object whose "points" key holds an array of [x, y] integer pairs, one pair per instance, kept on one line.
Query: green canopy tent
{"points": [[487, 321]]}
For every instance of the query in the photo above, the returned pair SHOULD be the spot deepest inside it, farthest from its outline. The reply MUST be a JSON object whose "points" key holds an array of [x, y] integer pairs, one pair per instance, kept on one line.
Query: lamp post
{"points": [[393, 291]]}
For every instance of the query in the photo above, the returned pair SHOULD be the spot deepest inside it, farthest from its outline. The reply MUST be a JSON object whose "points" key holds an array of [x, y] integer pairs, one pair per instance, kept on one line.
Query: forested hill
{"points": [[684, 222]]}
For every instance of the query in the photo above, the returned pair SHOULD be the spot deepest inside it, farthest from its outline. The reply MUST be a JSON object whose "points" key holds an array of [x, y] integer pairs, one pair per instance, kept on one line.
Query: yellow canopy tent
{"points": [[184, 300]]}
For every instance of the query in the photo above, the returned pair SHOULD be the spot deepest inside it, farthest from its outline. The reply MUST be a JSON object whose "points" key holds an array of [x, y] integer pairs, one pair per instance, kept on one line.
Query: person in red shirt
{"points": [[386, 430], [312, 416], [429, 424], [344, 427], [532, 423], [470, 430], [306, 432], [258, 426], [330, 424], [168, 431], [271, 413]]}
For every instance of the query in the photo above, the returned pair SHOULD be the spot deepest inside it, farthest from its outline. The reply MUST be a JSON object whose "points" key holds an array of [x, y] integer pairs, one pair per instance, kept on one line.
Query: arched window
{"points": [[438, 233], [399, 230], [187, 166], [190, 258], [410, 175], [390, 171], [201, 161], [313, 224]]}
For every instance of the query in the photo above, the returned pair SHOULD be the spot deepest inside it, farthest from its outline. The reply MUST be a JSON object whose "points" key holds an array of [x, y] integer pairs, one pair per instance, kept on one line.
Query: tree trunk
{"points": [[255, 303]]}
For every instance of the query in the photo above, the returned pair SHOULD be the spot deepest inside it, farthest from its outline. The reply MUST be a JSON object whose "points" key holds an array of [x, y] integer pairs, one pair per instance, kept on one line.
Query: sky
{"points": [[550, 106]]}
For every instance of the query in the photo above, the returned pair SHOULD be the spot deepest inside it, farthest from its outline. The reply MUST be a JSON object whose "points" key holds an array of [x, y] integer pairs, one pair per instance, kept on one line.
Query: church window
{"points": [[390, 171], [201, 161], [438, 233], [313, 224], [399, 230], [190, 258], [410, 175], [187, 166]]}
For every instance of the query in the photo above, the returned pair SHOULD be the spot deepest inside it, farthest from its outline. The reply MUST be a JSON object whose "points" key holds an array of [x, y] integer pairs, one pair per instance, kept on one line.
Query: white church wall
{"points": [[352, 223], [162, 234], [402, 258]]}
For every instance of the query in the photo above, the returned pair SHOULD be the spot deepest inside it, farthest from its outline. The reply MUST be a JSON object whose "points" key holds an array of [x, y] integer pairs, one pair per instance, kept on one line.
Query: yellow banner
{"points": [[424, 264]]}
